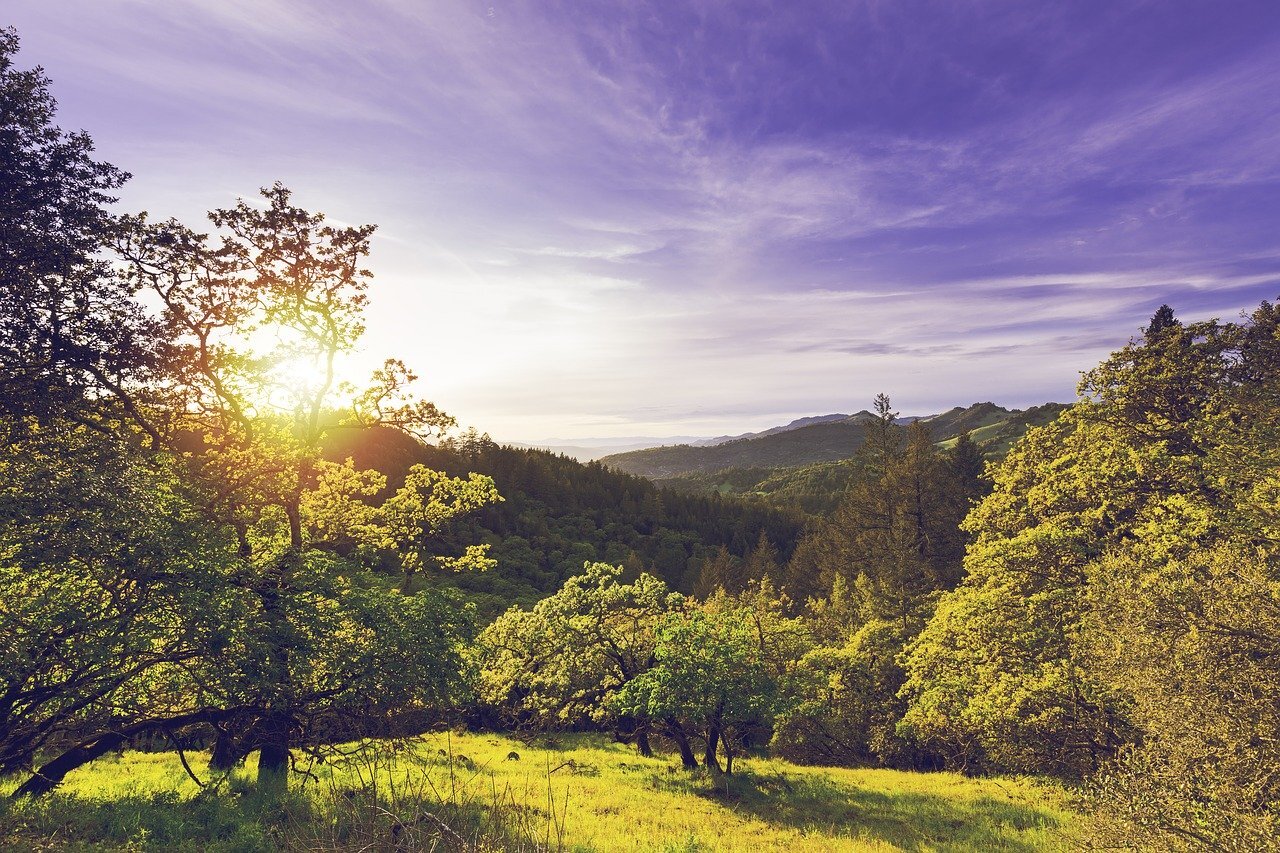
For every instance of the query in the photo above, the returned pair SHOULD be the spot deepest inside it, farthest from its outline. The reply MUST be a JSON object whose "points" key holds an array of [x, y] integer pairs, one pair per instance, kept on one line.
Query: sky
{"points": [[703, 217]]}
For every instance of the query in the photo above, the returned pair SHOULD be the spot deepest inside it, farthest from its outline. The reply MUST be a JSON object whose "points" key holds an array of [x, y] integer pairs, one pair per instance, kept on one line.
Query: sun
{"points": [[288, 379]]}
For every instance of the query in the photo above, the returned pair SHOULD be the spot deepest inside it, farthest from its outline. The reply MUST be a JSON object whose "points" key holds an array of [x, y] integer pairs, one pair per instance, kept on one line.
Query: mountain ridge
{"points": [[826, 438], [795, 424]]}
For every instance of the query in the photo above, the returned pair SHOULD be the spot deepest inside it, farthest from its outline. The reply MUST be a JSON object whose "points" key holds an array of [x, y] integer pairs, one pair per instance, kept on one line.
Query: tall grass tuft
{"points": [[406, 795]]}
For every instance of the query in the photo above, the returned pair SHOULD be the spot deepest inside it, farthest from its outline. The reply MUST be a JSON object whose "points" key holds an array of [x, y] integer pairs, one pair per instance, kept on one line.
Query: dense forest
{"points": [[558, 515], [208, 542]]}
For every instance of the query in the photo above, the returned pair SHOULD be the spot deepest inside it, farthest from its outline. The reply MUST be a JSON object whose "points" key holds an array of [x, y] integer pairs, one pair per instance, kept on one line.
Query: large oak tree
{"points": [[173, 549]]}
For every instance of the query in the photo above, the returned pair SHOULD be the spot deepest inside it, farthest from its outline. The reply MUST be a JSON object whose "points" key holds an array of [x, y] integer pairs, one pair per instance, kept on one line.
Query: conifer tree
{"points": [[1161, 321], [762, 563]]}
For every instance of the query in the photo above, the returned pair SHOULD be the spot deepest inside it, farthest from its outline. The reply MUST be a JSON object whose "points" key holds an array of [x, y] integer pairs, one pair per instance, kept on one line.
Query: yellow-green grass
{"points": [[572, 793]]}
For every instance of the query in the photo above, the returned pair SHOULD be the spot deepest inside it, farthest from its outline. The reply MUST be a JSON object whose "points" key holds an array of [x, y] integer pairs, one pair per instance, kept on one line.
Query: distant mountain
{"points": [[816, 489], [826, 438], [796, 424], [590, 449], [818, 442]]}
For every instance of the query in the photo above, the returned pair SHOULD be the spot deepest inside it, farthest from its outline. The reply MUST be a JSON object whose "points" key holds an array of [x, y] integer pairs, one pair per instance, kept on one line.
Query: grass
{"points": [[575, 793]]}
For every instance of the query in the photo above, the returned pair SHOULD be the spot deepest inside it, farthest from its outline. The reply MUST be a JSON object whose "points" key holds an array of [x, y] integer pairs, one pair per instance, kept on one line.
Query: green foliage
{"points": [[723, 670], [1121, 593], [107, 580], [1193, 642], [422, 509], [894, 539], [68, 332], [559, 514], [992, 679], [850, 707], [176, 557], [872, 574], [318, 630], [561, 663], [721, 572]]}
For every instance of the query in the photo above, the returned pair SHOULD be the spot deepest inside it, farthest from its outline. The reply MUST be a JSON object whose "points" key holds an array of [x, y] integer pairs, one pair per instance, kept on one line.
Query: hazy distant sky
{"points": [[648, 218]]}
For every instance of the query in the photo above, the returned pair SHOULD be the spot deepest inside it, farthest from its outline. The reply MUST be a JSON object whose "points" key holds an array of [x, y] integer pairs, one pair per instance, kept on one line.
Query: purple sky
{"points": [[631, 218]]}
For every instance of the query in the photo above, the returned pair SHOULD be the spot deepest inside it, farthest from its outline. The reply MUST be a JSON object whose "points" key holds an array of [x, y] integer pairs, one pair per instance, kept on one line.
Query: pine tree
{"points": [[721, 572], [1161, 321], [762, 563]]}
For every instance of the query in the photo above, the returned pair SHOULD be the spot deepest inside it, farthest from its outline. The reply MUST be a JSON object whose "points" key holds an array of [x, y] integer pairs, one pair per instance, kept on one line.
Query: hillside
{"points": [[996, 436], [827, 441], [796, 424], [559, 513], [820, 442]]}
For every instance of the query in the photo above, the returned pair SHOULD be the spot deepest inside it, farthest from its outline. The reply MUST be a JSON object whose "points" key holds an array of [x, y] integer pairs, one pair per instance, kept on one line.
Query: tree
{"points": [[762, 562], [107, 580], [1153, 467], [850, 707], [1183, 616], [315, 640], [259, 417], [1162, 320], [968, 468], [105, 576], [992, 681], [722, 671], [895, 537], [721, 571], [1193, 643], [216, 584], [70, 335], [892, 546], [882, 443], [562, 662], [814, 565], [422, 509]]}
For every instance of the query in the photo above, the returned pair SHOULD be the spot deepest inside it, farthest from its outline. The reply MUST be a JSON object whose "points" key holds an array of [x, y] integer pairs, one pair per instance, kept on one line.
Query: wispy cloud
{"points": [[703, 216]]}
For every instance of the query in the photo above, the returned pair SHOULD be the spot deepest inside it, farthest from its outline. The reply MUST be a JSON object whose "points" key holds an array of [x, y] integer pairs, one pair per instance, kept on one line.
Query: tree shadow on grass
{"points": [[909, 820], [155, 821], [232, 822]]}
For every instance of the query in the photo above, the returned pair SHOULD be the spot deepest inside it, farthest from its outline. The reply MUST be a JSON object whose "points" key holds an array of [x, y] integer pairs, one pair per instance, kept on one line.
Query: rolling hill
{"points": [[807, 466]]}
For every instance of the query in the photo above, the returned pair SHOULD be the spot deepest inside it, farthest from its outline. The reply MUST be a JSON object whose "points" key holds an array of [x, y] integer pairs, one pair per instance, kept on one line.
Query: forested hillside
{"points": [[828, 441], [808, 468], [558, 514], [817, 442]]}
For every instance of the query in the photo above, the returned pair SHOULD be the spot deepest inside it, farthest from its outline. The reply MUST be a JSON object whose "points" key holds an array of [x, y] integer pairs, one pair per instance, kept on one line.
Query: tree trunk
{"points": [[273, 755], [225, 753], [709, 758], [676, 732], [51, 774], [276, 727], [642, 743]]}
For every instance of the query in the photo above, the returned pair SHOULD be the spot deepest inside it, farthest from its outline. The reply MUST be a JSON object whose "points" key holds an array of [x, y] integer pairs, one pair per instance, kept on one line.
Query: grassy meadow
{"points": [[451, 791]]}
